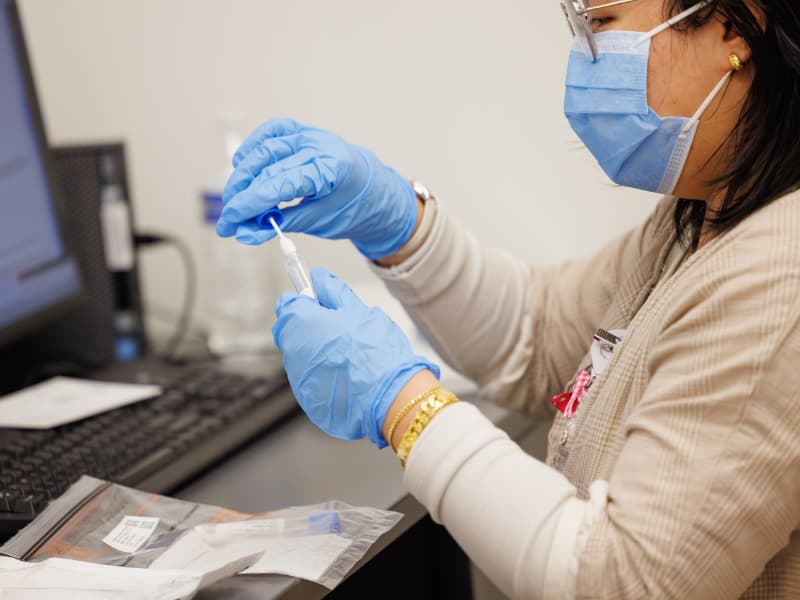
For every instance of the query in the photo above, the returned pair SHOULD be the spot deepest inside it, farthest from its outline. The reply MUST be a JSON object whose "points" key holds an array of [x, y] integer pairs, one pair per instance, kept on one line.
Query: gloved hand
{"points": [[347, 191], [346, 361]]}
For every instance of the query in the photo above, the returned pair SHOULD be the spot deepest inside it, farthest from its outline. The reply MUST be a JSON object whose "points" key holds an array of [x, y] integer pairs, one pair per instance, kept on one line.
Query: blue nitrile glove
{"points": [[348, 193], [346, 361]]}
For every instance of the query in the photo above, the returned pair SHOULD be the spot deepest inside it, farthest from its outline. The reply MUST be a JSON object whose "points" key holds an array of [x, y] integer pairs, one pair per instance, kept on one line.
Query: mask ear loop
{"points": [[671, 22], [686, 136], [707, 102]]}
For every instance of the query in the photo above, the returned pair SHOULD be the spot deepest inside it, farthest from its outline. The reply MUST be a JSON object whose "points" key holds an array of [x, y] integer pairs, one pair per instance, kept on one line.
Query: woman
{"points": [[673, 467]]}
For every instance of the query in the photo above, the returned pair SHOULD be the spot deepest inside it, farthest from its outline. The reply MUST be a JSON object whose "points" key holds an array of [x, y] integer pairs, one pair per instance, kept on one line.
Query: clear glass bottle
{"points": [[243, 280]]}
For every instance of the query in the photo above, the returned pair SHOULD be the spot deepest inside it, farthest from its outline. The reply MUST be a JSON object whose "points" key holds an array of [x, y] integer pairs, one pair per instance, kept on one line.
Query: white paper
{"points": [[76, 580], [195, 551], [62, 400], [131, 533], [307, 557], [64, 579]]}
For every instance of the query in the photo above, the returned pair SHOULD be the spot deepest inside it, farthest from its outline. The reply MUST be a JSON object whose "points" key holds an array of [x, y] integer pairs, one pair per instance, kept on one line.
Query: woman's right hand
{"points": [[347, 192]]}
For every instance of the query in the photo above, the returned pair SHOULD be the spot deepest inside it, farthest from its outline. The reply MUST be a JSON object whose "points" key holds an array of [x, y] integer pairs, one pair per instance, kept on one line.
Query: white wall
{"points": [[463, 95]]}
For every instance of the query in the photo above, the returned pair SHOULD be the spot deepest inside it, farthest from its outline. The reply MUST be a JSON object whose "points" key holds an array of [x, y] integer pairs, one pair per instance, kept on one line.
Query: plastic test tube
{"points": [[294, 262]]}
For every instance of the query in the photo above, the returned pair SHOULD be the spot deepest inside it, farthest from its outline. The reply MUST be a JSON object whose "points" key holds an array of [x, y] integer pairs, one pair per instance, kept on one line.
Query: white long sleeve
{"points": [[488, 339], [518, 519]]}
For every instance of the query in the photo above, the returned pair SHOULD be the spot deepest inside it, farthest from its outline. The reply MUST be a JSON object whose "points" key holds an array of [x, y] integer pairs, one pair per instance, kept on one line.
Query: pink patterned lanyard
{"points": [[569, 402], [603, 346]]}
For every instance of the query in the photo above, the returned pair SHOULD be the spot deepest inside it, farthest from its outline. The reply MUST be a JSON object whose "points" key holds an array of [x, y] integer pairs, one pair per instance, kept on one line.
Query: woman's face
{"points": [[684, 68]]}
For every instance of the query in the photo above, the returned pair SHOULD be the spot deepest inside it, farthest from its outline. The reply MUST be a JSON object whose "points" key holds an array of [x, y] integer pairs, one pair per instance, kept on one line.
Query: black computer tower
{"points": [[109, 322]]}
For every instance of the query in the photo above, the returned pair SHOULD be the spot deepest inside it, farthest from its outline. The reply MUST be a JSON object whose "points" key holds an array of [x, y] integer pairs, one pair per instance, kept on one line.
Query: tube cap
{"points": [[274, 213]]}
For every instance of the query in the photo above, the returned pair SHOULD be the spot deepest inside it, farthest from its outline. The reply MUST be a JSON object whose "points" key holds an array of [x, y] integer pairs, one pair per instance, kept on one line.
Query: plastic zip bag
{"points": [[106, 523]]}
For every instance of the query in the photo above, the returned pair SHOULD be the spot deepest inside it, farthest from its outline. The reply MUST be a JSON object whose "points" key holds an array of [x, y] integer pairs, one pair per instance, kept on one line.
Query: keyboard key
{"points": [[162, 420], [149, 464], [7, 501], [185, 421], [29, 503], [17, 490]]}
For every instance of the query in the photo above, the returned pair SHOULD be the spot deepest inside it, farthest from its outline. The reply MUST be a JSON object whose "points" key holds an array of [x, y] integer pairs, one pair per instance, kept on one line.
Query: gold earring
{"points": [[736, 62]]}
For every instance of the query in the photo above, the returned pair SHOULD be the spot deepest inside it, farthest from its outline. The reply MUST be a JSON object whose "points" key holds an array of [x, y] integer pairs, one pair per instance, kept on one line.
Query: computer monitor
{"points": [[39, 277]]}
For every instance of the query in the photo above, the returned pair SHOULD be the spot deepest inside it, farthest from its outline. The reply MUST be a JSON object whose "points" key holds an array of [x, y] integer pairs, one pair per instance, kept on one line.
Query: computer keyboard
{"points": [[153, 445]]}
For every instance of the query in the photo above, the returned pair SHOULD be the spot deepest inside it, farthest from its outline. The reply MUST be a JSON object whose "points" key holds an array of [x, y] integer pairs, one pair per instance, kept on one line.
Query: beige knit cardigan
{"points": [[693, 431]]}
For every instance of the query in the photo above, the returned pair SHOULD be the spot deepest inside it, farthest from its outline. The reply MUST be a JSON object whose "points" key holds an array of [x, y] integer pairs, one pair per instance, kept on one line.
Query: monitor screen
{"points": [[37, 274]]}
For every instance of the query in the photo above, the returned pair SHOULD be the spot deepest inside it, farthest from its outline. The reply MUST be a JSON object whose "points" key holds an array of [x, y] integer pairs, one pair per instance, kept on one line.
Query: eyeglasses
{"points": [[577, 14]]}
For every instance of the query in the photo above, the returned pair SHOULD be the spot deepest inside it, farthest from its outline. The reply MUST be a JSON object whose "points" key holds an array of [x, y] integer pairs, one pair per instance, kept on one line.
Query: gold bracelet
{"points": [[404, 411], [426, 412]]}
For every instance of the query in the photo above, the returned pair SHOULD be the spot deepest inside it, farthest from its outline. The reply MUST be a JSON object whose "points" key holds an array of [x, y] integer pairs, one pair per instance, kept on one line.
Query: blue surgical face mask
{"points": [[606, 105]]}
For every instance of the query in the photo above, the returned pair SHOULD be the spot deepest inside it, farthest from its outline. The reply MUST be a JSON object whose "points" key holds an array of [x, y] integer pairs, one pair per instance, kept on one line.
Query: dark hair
{"points": [[765, 144]]}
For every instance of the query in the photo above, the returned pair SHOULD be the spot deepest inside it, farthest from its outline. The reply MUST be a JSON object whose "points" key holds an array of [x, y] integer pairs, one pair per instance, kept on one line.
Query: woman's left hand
{"points": [[346, 362]]}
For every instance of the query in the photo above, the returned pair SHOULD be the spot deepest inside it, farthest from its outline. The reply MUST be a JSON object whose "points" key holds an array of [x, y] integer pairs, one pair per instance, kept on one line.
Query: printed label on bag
{"points": [[131, 533]]}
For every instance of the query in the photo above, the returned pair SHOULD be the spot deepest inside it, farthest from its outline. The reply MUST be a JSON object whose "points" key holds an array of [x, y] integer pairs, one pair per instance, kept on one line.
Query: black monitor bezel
{"points": [[26, 325]]}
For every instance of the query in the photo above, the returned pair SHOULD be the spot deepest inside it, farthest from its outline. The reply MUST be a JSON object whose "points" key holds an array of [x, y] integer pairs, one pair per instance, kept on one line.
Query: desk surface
{"points": [[297, 464]]}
